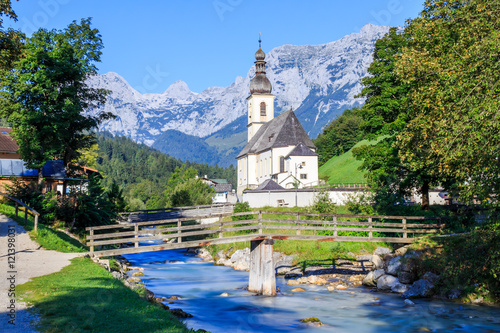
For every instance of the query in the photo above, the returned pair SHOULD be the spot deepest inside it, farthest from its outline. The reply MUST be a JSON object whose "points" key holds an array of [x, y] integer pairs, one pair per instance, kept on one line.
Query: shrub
{"points": [[241, 207]]}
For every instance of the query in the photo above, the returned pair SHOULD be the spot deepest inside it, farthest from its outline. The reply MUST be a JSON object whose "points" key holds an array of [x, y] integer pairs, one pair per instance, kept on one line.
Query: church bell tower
{"points": [[260, 101]]}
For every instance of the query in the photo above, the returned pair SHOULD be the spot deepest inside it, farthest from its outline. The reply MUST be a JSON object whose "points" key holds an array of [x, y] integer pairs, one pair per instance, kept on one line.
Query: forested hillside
{"points": [[143, 172]]}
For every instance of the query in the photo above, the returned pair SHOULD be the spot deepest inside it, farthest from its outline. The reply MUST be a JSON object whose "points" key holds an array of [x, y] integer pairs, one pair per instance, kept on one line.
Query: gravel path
{"points": [[30, 261]]}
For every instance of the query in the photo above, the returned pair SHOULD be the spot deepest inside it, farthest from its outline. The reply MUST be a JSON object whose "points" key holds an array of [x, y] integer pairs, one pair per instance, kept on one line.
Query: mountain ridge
{"points": [[317, 81]]}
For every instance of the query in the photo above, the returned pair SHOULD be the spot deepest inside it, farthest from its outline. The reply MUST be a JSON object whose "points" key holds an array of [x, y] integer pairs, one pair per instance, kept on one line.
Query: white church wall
{"points": [[294, 198], [305, 197]]}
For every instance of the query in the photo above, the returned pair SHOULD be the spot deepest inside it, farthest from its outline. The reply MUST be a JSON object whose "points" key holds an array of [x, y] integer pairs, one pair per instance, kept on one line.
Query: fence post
{"points": [[335, 226], [136, 235], [297, 223], [220, 226], [370, 233], [36, 224], [26, 215], [179, 237], [91, 241], [17, 209], [260, 222], [405, 233]]}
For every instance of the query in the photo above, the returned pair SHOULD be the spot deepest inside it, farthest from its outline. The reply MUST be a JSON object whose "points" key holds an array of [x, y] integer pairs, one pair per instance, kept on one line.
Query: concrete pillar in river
{"points": [[262, 277]]}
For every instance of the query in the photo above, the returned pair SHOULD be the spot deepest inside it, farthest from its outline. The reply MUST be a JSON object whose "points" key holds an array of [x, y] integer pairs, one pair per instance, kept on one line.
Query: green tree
{"points": [[47, 98], [10, 40], [341, 134], [384, 115], [186, 189], [452, 68]]}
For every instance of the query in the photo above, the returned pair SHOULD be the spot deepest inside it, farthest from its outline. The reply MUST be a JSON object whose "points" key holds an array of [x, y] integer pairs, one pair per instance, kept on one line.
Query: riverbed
{"points": [[198, 285]]}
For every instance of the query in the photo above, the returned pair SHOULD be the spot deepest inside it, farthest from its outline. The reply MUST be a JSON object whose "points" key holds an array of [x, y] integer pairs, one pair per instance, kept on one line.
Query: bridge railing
{"points": [[147, 214], [225, 228]]}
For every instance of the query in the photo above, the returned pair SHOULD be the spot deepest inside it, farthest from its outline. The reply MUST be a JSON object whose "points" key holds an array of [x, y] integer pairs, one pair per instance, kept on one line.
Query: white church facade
{"points": [[278, 148]]}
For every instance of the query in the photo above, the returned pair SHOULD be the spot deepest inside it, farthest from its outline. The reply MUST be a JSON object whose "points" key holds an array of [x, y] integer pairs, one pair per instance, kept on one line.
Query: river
{"points": [[199, 286]]}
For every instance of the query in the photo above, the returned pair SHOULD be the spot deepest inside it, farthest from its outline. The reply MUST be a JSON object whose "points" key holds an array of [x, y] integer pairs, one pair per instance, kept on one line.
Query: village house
{"points": [[54, 172]]}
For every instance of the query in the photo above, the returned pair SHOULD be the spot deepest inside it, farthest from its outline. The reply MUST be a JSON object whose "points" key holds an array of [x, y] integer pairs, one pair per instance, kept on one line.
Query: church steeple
{"points": [[260, 84], [261, 101]]}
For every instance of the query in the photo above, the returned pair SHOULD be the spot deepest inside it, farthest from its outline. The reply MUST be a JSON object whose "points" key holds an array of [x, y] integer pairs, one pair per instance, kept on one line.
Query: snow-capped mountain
{"points": [[317, 81]]}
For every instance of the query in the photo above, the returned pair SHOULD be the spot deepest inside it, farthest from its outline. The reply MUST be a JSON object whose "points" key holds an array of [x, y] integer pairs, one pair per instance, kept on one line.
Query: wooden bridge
{"points": [[261, 228]]}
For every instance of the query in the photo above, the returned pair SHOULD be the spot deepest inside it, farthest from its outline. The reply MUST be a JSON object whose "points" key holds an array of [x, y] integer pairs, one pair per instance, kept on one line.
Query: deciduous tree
{"points": [[48, 101], [452, 68]]}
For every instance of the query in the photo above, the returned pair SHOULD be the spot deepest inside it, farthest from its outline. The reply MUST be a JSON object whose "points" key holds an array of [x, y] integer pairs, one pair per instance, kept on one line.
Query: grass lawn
{"points": [[48, 238], [344, 168], [84, 297]]}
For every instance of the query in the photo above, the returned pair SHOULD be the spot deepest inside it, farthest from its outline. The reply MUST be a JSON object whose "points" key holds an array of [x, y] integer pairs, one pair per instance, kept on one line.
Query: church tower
{"points": [[260, 101]]}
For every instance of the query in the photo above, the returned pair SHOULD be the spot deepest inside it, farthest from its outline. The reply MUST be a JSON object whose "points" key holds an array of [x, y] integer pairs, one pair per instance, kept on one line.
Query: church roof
{"points": [[301, 150], [269, 185], [282, 131]]}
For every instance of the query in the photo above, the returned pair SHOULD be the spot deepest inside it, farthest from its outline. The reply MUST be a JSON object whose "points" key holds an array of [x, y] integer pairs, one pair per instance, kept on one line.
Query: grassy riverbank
{"points": [[48, 238], [84, 297]]}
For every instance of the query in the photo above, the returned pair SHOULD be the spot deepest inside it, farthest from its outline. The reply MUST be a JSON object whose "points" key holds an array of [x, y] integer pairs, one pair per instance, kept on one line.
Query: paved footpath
{"points": [[28, 261]]}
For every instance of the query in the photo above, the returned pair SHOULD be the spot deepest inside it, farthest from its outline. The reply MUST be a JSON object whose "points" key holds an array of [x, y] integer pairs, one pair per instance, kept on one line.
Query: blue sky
{"points": [[205, 42]]}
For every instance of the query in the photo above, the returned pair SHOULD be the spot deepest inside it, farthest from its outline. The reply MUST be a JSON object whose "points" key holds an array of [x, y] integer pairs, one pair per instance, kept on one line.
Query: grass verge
{"points": [[84, 297], [48, 238]]}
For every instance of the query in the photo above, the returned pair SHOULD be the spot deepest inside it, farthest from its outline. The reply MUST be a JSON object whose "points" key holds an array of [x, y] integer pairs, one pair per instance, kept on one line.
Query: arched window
{"points": [[263, 109], [282, 164]]}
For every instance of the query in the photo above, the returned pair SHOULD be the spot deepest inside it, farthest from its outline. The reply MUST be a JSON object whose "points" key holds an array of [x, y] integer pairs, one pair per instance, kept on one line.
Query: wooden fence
{"points": [[26, 210], [162, 213], [187, 232]]}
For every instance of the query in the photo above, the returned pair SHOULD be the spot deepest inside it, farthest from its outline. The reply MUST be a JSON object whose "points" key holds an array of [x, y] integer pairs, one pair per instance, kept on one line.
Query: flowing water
{"points": [[199, 286]]}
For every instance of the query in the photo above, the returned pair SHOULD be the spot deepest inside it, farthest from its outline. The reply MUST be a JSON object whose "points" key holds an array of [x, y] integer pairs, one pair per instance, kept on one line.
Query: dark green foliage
{"points": [[115, 196], [241, 207], [468, 262], [339, 136], [185, 189], [144, 173], [385, 116], [93, 207]]}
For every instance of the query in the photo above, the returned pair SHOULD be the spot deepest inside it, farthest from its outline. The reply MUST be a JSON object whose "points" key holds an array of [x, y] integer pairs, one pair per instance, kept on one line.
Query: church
{"points": [[278, 149]]}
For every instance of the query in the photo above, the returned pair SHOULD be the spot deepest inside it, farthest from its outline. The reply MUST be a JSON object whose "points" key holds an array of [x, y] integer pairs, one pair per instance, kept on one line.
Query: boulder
{"points": [[283, 263], [341, 287], [117, 275], [408, 302], [393, 266], [386, 282], [381, 251], [431, 277], [378, 263], [298, 289], [220, 255], [180, 314], [399, 288], [241, 259], [421, 288], [401, 251], [204, 254], [224, 295], [454, 293], [292, 282], [372, 277], [224, 262], [406, 277]]}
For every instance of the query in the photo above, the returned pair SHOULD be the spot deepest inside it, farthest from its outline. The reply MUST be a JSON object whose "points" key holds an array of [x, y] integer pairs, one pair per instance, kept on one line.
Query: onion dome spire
{"points": [[260, 84]]}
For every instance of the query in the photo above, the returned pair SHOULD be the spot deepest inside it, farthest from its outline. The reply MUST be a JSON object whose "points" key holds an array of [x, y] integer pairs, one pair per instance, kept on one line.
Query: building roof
{"points": [[221, 188], [220, 181], [269, 185], [301, 150], [7, 143], [283, 131]]}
